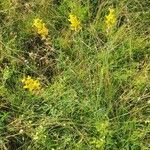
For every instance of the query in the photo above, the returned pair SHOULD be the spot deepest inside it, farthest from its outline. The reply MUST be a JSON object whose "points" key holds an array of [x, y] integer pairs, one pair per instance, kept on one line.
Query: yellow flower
{"points": [[30, 84], [40, 27], [110, 19], [75, 23]]}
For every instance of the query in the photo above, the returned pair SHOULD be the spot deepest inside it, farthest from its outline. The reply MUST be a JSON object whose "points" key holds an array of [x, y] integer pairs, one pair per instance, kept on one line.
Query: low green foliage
{"points": [[90, 75]]}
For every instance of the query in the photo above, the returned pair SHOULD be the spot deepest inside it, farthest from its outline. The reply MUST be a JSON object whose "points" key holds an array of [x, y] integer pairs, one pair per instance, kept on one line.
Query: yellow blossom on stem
{"points": [[74, 22], [30, 84], [40, 27], [110, 19]]}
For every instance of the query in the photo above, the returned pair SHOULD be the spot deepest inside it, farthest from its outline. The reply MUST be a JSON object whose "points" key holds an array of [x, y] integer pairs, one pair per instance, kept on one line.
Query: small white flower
{"points": [[21, 131]]}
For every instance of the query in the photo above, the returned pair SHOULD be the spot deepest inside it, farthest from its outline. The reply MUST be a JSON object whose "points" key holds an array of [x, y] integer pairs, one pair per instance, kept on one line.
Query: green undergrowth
{"points": [[95, 90]]}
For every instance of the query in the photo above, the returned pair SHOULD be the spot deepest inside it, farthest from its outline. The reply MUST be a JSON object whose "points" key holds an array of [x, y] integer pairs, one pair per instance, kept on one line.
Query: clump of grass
{"points": [[90, 74]]}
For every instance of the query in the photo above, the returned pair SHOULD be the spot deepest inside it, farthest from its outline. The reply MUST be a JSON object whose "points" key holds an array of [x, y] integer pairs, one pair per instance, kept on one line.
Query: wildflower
{"points": [[21, 131], [31, 84], [75, 23], [40, 27], [110, 19]]}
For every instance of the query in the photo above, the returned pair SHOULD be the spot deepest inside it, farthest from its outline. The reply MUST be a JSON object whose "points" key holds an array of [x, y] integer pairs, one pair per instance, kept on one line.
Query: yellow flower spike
{"points": [[31, 84], [110, 19], [75, 23], [40, 27]]}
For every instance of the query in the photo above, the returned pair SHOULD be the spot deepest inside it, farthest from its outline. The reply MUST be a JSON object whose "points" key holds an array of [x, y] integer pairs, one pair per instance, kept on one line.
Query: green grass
{"points": [[95, 85]]}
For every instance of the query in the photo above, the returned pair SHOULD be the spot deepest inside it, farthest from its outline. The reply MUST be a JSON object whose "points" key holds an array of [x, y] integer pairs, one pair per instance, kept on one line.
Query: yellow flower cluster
{"points": [[30, 84], [110, 19], [40, 27], [75, 23]]}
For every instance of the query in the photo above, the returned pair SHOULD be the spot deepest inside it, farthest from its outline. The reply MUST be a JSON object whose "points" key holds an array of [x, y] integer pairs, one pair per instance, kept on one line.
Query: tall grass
{"points": [[94, 83]]}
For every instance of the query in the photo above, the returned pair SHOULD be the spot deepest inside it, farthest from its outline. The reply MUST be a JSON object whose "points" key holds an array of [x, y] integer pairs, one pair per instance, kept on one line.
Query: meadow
{"points": [[74, 75]]}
